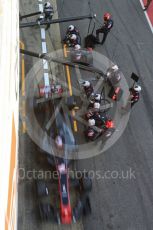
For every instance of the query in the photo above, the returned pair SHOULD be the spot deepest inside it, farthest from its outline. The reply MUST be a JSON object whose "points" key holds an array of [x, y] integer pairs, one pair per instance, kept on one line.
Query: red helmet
{"points": [[109, 124], [107, 16]]}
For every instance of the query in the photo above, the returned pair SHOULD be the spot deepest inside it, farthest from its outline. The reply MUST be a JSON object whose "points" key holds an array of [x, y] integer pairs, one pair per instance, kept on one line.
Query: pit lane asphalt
{"points": [[125, 204], [30, 157]]}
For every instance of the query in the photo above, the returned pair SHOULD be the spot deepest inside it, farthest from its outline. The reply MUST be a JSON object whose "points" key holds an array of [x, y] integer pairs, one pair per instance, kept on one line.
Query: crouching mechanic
{"points": [[95, 101], [105, 29], [88, 88], [72, 36], [72, 40], [96, 97], [134, 94], [106, 127], [99, 120]]}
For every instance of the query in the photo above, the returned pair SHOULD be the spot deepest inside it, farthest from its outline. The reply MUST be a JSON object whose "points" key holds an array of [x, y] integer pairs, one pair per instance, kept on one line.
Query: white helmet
{"points": [[115, 67], [97, 97], [47, 4], [91, 122], [77, 47], [59, 142], [96, 105], [71, 28], [137, 88], [73, 37], [86, 83]]}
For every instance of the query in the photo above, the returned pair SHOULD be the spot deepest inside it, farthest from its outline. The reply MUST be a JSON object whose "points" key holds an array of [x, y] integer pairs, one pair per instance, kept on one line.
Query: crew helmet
{"points": [[137, 88], [71, 27], [47, 4], [107, 16], [77, 47], [96, 105], [91, 122], [73, 37], [97, 96], [59, 141], [109, 124], [115, 67], [86, 83]]}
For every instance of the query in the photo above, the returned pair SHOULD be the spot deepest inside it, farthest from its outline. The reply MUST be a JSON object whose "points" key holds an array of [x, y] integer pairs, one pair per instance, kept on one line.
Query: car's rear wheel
{"points": [[78, 211]]}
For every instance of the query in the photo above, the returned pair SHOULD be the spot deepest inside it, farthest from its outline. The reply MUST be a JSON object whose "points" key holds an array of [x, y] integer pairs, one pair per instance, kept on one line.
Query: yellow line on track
{"points": [[68, 73], [69, 80], [70, 88], [23, 88]]}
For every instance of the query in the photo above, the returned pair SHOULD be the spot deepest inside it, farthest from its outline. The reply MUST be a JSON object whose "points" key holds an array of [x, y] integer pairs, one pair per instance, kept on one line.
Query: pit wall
{"points": [[9, 110]]}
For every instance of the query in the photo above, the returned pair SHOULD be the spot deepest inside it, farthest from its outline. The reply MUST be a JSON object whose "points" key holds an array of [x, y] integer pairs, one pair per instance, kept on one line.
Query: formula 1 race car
{"points": [[55, 204], [65, 213]]}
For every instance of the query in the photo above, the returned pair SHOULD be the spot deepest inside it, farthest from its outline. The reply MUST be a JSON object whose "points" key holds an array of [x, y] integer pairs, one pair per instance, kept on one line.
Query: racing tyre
{"points": [[46, 212], [86, 184], [57, 218], [42, 188], [51, 160], [74, 182], [87, 207]]}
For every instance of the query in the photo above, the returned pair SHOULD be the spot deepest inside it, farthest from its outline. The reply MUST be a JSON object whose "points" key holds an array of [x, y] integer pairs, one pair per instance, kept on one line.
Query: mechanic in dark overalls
{"points": [[134, 94], [48, 11], [105, 29], [72, 30], [88, 88], [74, 40]]}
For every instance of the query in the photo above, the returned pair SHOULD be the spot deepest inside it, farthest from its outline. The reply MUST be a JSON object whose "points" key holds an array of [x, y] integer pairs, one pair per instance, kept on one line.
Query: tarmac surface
{"points": [[122, 195]]}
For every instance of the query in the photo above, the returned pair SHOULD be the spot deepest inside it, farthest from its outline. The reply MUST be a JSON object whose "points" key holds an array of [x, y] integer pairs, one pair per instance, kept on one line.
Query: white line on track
{"points": [[44, 48], [147, 17], [43, 34], [45, 64], [46, 79]]}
